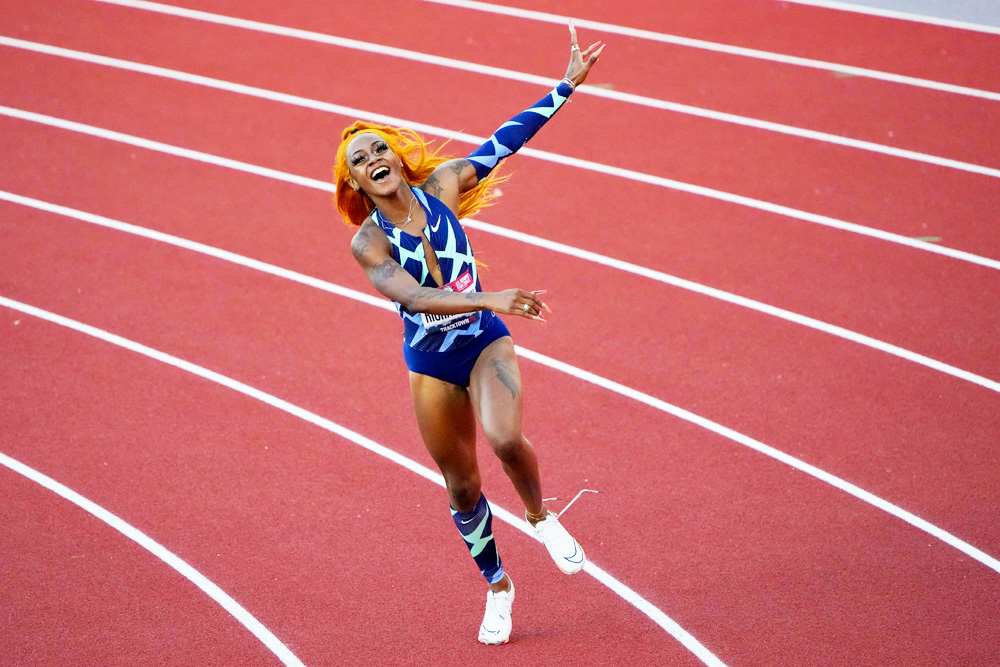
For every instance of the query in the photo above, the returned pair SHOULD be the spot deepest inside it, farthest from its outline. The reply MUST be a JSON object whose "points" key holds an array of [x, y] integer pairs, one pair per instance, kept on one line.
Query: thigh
{"points": [[495, 389], [447, 424]]}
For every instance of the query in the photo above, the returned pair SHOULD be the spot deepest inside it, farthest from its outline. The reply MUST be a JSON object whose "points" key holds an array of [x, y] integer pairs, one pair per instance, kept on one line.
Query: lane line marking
{"points": [[553, 246], [474, 140], [780, 313], [628, 98], [769, 451], [896, 14], [211, 251], [245, 618], [557, 365], [650, 35], [169, 149], [623, 591]]}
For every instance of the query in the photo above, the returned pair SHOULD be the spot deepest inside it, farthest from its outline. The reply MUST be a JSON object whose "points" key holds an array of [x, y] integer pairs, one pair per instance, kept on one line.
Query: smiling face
{"points": [[375, 163], [372, 165]]}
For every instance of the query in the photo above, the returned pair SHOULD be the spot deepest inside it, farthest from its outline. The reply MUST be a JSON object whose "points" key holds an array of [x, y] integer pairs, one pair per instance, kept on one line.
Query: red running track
{"points": [[755, 559]]}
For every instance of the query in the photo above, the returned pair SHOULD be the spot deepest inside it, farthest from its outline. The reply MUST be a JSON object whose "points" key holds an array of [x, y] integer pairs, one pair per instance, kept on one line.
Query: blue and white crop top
{"points": [[422, 331]]}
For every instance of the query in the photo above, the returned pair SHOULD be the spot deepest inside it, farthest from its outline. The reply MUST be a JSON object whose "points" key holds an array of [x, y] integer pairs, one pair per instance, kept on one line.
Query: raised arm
{"points": [[373, 252], [463, 174]]}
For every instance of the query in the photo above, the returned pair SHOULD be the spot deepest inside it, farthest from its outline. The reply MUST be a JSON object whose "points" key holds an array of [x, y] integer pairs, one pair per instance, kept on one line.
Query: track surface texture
{"points": [[774, 354]]}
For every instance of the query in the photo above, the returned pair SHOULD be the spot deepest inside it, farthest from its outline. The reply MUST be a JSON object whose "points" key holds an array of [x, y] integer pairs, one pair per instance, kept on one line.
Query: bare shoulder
{"points": [[370, 243], [458, 166], [450, 180], [437, 185]]}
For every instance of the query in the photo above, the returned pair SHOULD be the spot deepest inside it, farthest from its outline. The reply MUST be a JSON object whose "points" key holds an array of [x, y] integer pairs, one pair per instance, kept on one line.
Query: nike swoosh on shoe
{"points": [[576, 550]]}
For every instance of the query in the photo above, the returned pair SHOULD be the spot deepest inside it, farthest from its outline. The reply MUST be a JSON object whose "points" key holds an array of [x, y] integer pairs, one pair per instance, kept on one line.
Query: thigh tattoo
{"points": [[506, 376]]}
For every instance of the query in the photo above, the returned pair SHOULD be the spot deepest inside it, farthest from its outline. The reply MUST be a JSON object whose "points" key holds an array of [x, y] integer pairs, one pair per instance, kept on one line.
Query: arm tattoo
{"points": [[458, 166], [433, 186], [430, 295], [360, 243], [384, 271], [438, 294]]}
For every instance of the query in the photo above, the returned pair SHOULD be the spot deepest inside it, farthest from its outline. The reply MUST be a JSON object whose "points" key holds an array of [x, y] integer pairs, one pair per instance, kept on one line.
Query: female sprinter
{"points": [[407, 202]]}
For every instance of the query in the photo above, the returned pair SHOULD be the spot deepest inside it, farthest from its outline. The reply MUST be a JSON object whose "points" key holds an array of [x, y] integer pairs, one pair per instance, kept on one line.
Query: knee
{"points": [[508, 447], [463, 492]]}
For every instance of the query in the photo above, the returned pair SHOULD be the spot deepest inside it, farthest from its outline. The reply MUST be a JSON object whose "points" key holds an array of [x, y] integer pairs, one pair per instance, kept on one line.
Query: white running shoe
{"points": [[496, 622], [565, 551]]}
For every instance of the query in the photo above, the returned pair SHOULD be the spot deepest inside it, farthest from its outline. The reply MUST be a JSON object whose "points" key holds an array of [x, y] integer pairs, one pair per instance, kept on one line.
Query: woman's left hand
{"points": [[581, 62]]}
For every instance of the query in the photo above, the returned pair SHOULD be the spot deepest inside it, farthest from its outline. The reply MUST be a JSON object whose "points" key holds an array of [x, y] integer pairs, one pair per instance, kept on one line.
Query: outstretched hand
{"points": [[521, 303], [580, 62]]}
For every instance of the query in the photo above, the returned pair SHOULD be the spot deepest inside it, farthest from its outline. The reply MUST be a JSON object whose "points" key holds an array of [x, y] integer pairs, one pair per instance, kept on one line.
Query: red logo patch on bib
{"points": [[441, 323]]}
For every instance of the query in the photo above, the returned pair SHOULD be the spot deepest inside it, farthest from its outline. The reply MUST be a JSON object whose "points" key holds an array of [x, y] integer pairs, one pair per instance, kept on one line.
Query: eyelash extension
{"points": [[378, 150]]}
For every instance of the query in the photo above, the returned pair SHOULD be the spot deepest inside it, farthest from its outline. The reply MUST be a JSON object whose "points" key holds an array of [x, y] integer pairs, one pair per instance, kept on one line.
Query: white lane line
{"points": [[474, 140], [623, 591], [211, 251], [734, 299], [553, 246], [522, 237], [554, 364], [628, 98], [767, 450], [896, 14], [245, 618], [650, 35], [160, 147]]}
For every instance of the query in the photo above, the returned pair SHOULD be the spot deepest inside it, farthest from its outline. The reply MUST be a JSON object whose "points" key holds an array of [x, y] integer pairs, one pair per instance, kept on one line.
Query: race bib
{"points": [[441, 323]]}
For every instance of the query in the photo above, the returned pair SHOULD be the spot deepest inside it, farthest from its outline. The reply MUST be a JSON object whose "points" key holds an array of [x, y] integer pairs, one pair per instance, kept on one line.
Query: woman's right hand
{"points": [[581, 62], [519, 302]]}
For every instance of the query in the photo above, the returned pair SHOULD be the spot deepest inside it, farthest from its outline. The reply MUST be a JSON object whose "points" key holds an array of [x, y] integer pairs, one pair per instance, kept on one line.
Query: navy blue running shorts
{"points": [[454, 366]]}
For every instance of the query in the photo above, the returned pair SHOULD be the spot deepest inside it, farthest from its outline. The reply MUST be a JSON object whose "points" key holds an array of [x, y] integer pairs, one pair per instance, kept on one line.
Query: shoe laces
{"points": [[502, 597], [498, 605], [548, 527]]}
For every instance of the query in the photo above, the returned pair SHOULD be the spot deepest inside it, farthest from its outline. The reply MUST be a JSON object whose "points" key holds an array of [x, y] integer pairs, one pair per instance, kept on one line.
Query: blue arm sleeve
{"points": [[515, 132]]}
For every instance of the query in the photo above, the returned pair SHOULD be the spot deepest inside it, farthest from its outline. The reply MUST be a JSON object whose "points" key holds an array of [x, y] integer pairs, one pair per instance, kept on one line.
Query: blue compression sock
{"points": [[515, 132], [476, 528]]}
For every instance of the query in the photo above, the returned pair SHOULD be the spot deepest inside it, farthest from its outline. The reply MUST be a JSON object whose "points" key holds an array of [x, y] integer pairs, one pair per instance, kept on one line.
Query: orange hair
{"points": [[418, 164]]}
